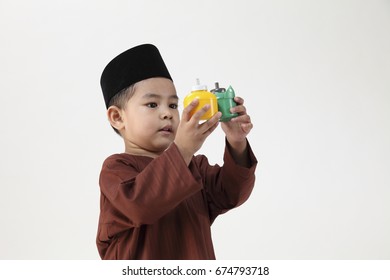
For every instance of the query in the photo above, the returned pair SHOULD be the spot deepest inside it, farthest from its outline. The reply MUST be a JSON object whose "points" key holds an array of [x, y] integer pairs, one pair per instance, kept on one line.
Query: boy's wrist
{"points": [[237, 146], [239, 152], [187, 156]]}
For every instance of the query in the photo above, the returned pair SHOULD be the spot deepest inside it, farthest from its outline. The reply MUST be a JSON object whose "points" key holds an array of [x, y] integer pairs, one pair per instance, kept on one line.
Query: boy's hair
{"points": [[120, 99]]}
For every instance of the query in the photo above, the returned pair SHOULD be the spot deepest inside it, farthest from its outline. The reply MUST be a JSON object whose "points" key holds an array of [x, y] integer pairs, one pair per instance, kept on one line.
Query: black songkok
{"points": [[136, 64]]}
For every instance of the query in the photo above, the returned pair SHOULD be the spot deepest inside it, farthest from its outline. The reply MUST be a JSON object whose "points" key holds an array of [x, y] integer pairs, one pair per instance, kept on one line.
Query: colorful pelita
{"points": [[219, 99]]}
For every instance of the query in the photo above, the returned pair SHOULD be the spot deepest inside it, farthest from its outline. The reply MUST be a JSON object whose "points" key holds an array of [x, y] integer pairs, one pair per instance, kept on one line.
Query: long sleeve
{"points": [[143, 195], [163, 209], [228, 186]]}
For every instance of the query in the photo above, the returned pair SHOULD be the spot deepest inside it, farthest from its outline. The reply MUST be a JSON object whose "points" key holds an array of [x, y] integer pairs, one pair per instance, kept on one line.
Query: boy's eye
{"points": [[173, 106], [152, 105]]}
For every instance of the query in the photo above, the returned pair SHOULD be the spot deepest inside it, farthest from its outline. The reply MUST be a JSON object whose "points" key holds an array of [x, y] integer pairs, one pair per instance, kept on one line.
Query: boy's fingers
{"points": [[187, 110], [239, 109], [243, 118], [239, 100], [216, 117], [211, 129], [198, 114], [212, 123], [246, 127]]}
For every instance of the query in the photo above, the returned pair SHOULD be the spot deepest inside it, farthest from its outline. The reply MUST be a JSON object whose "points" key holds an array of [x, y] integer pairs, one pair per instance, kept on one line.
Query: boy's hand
{"points": [[190, 134], [239, 127]]}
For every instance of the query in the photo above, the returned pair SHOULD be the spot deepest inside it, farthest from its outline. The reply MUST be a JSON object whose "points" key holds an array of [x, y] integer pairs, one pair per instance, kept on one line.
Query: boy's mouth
{"points": [[167, 128]]}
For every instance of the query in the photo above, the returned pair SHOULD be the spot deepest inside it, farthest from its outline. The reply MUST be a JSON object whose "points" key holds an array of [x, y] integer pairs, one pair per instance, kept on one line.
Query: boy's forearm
{"points": [[187, 156], [239, 152]]}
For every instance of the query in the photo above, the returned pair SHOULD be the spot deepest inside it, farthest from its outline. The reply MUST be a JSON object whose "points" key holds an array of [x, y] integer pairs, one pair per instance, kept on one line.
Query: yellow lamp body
{"points": [[204, 97]]}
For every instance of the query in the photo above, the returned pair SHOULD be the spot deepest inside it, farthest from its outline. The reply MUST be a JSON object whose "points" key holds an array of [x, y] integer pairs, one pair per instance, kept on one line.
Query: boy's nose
{"points": [[166, 114]]}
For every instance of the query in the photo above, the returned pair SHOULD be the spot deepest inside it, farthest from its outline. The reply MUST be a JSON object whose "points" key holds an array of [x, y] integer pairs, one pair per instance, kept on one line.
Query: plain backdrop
{"points": [[315, 76]]}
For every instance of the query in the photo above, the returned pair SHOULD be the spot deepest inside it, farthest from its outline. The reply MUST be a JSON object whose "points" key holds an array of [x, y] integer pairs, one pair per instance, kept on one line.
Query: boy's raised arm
{"points": [[143, 197]]}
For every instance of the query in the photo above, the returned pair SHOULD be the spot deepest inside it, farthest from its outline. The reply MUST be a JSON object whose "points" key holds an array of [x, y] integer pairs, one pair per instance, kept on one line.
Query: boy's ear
{"points": [[114, 115]]}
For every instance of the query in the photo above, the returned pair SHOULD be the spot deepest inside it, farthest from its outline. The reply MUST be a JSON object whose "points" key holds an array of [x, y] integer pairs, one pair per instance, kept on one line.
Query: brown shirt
{"points": [[161, 209]]}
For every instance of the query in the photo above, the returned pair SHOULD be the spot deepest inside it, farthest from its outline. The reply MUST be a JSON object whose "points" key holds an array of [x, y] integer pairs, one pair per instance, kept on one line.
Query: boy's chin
{"points": [[162, 147]]}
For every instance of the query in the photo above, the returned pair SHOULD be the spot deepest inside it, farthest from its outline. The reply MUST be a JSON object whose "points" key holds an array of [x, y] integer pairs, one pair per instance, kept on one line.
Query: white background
{"points": [[315, 77]]}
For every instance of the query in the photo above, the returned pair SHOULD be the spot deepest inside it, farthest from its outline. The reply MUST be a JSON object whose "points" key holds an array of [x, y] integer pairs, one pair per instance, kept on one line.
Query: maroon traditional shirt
{"points": [[163, 209]]}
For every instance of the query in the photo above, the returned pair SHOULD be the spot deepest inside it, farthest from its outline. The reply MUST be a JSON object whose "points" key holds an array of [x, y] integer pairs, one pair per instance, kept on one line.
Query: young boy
{"points": [[158, 200]]}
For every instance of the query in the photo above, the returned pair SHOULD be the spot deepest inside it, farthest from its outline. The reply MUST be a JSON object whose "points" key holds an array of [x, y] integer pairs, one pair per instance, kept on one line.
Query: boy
{"points": [[158, 200]]}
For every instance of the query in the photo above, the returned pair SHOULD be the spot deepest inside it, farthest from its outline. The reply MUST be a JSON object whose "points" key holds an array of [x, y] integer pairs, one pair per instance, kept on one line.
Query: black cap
{"points": [[136, 64]]}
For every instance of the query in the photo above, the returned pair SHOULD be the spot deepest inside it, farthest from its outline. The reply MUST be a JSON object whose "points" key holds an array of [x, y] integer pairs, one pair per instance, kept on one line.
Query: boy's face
{"points": [[150, 117]]}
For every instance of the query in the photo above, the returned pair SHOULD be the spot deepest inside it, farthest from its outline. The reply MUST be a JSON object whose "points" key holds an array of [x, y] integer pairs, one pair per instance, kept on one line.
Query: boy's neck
{"points": [[137, 151]]}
